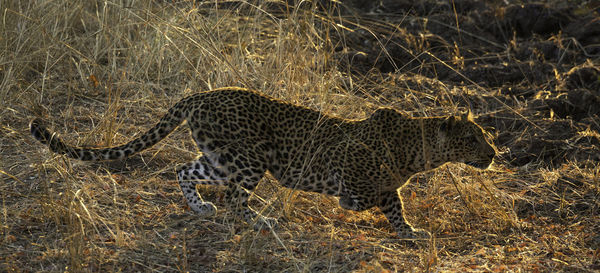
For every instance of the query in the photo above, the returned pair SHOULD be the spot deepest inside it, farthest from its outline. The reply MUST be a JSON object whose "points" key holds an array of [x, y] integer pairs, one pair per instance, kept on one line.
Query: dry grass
{"points": [[102, 71]]}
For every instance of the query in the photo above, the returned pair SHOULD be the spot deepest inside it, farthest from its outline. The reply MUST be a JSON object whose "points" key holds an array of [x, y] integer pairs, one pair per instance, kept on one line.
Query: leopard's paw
{"points": [[414, 233], [204, 209], [265, 223]]}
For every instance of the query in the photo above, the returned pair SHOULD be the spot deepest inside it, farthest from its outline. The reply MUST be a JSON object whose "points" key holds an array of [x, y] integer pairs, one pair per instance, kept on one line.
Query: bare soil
{"points": [[102, 72]]}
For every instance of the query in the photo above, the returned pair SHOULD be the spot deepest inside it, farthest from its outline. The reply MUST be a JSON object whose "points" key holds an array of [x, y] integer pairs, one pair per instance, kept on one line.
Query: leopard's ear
{"points": [[468, 115], [448, 124]]}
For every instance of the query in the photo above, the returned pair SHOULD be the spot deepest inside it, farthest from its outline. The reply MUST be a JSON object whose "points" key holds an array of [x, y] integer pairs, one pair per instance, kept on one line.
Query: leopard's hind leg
{"points": [[200, 172], [245, 172]]}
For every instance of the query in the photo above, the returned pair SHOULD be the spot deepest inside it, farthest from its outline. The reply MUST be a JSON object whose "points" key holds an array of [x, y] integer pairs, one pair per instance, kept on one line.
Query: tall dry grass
{"points": [[102, 71]]}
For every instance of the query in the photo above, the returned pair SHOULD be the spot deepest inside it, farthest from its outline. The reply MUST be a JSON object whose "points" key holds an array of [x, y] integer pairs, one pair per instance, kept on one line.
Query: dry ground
{"points": [[101, 72]]}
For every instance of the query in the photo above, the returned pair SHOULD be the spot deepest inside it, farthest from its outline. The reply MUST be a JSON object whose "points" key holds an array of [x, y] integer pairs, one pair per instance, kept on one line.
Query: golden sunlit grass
{"points": [[101, 72]]}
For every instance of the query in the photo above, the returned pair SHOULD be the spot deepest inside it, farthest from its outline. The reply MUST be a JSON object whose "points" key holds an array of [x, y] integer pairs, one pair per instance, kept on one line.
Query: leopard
{"points": [[242, 134]]}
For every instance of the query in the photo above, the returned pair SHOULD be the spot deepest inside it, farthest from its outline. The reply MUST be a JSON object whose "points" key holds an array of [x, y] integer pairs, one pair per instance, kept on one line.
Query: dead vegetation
{"points": [[102, 71]]}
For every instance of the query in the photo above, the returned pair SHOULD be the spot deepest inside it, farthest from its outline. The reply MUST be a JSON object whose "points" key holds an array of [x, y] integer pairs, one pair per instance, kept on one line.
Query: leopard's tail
{"points": [[162, 129]]}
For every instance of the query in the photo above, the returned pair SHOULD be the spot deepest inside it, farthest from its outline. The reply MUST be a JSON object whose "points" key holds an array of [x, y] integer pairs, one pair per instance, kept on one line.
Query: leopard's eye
{"points": [[470, 139]]}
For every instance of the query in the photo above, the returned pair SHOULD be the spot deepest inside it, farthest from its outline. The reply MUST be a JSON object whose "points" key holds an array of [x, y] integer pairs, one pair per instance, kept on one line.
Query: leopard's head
{"points": [[462, 140]]}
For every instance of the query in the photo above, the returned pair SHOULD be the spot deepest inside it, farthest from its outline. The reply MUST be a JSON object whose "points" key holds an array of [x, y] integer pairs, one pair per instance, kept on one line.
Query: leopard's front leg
{"points": [[352, 201], [391, 205], [352, 198]]}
